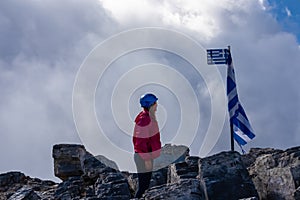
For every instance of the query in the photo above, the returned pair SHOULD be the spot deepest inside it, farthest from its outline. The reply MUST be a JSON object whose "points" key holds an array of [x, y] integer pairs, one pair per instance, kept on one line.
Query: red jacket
{"points": [[146, 136]]}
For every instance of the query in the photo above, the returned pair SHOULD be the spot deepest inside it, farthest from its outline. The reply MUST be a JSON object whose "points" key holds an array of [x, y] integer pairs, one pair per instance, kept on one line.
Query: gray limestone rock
{"points": [[72, 160], [70, 188], [67, 161], [297, 194], [159, 177], [224, 176], [249, 158], [132, 180], [112, 186], [250, 198], [272, 174], [183, 170], [10, 178], [171, 154], [25, 193], [107, 162], [15, 185], [92, 167], [277, 175], [181, 190]]}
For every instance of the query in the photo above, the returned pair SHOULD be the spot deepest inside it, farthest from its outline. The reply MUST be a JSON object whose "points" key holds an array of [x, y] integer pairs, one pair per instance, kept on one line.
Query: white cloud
{"points": [[262, 4], [260, 48], [288, 12], [129, 11], [205, 18], [43, 44]]}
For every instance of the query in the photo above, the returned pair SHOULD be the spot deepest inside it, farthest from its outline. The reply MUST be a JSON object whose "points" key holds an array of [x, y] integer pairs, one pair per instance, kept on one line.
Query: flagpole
{"points": [[231, 137], [231, 126], [237, 115]]}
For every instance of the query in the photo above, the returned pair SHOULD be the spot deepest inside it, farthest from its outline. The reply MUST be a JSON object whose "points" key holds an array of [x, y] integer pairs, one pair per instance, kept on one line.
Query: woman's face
{"points": [[154, 106]]}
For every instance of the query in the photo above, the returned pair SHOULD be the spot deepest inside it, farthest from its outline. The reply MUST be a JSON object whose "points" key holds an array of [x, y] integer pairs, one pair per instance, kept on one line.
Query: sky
{"points": [[45, 43]]}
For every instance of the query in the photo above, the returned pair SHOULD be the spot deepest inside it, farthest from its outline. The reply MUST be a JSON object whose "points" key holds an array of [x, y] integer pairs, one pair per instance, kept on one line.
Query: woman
{"points": [[146, 141]]}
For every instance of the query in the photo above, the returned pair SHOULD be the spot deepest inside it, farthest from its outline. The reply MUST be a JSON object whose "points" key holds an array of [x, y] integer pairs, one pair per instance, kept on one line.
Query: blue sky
{"points": [[44, 43], [287, 12]]}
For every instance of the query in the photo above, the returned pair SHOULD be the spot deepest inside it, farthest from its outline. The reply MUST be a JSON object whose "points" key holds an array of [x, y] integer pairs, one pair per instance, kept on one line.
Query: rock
{"points": [[225, 177], [250, 198], [15, 185], [71, 160], [274, 173], [67, 161], [92, 167], [80, 170], [25, 193], [159, 177], [10, 178], [108, 186], [297, 194], [43, 188], [249, 158], [183, 170], [70, 188], [170, 154], [181, 190], [277, 175], [107, 162], [132, 180], [112, 186]]}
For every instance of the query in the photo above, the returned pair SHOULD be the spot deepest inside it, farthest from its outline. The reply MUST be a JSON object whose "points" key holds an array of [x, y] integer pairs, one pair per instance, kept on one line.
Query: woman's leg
{"points": [[144, 177]]}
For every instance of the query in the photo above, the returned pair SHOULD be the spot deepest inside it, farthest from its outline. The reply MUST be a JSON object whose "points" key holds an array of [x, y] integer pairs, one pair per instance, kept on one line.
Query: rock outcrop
{"points": [[182, 190], [260, 174], [276, 174], [224, 176], [87, 176], [171, 154], [17, 186], [67, 160]]}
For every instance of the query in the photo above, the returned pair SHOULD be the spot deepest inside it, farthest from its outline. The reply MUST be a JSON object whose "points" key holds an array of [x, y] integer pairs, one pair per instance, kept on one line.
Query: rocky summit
{"points": [[263, 173]]}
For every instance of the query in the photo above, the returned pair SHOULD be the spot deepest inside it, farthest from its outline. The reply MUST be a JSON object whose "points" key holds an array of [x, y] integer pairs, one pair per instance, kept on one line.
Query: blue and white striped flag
{"points": [[217, 56], [242, 131]]}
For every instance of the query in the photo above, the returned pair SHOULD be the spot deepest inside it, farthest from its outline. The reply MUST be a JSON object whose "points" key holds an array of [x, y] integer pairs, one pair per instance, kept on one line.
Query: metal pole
{"points": [[231, 137]]}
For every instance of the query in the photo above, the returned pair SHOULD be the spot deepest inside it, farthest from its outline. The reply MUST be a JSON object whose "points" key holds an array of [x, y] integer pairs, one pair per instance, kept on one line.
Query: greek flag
{"points": [[242, 131], [217, 56]]}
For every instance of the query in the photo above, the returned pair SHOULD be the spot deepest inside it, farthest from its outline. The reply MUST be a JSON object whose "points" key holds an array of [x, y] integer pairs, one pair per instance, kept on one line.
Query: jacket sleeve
{"points": [[155, 145]]}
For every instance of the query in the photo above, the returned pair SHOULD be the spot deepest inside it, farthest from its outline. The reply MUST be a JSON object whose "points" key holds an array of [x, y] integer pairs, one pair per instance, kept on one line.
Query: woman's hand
{"points": [[148, 165]]}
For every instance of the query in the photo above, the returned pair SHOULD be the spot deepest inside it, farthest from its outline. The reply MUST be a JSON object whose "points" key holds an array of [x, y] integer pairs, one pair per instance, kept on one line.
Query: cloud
{"points": [[265, 56], [288, 12], [43, 43]]}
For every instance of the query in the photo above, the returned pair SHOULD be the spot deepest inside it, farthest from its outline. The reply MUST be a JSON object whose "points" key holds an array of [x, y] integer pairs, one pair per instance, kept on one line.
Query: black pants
{"points": [[143, 176]]}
